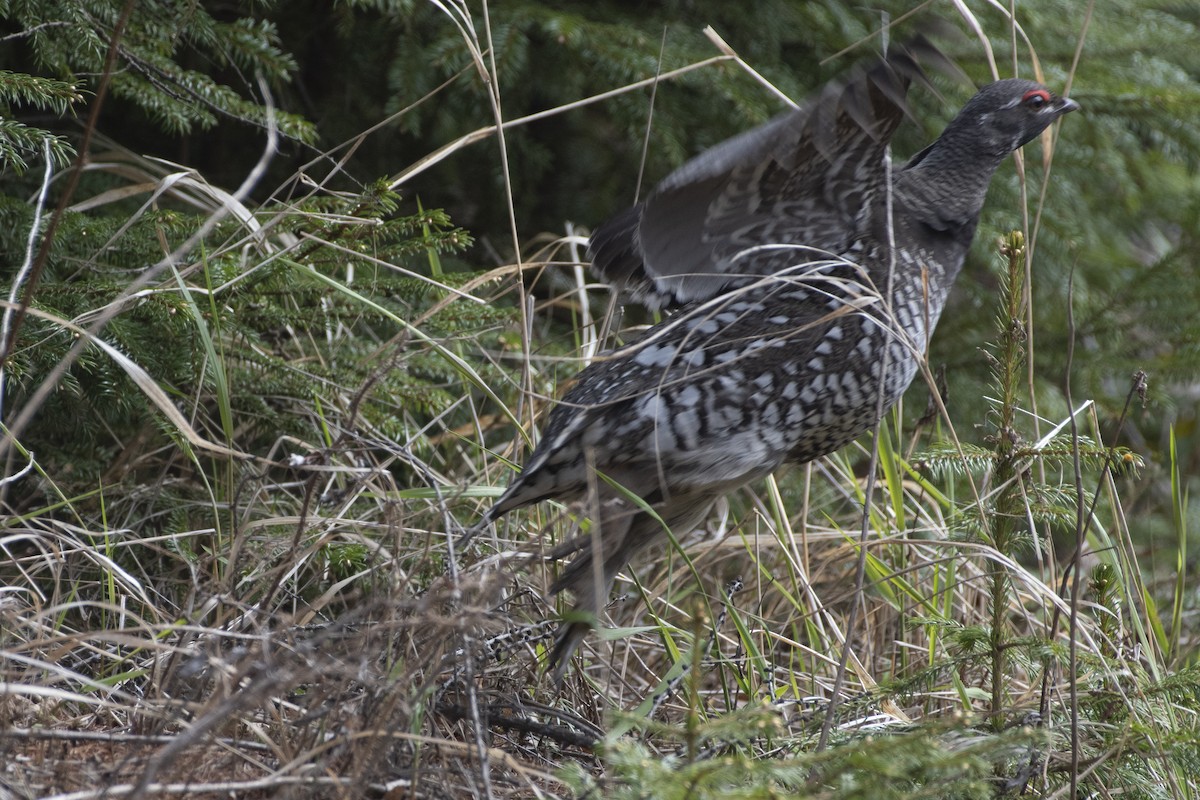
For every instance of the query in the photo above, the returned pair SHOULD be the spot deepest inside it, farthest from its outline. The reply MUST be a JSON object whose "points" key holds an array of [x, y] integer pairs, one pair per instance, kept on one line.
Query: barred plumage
{"points": [[808, 273]]}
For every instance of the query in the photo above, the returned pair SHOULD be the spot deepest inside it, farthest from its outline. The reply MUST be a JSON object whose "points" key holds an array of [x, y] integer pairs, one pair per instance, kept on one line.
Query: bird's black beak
{"points": [[1066, 105]]}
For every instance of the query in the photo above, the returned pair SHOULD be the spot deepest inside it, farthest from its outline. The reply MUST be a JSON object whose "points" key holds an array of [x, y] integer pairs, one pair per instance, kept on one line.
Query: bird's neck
{"points": [[945, 184]]}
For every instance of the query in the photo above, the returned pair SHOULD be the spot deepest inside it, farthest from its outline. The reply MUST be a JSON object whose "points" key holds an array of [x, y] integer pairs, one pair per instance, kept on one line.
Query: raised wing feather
{"points": [[809, 177]]}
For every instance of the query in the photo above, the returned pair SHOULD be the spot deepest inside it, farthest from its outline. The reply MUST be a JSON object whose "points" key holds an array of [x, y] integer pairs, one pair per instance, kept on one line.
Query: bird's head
{"points": [[1007, 114]]}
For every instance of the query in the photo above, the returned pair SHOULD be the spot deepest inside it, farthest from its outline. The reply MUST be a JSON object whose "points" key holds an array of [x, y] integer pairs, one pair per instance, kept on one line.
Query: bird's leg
{"points": [[607, 548], [623, 532]]}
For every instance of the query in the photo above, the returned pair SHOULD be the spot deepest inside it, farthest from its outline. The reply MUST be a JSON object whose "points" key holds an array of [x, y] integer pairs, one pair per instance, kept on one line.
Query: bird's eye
{"points": [[1036, 98]]}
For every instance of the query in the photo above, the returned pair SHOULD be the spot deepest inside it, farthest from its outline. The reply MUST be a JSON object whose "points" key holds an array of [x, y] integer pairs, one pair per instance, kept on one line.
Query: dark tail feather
{"points": [[475, 530], [566, 642], [502, 506]]}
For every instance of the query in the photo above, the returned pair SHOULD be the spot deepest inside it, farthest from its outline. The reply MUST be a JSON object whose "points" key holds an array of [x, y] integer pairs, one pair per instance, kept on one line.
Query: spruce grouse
{"points": [[809, 273]]}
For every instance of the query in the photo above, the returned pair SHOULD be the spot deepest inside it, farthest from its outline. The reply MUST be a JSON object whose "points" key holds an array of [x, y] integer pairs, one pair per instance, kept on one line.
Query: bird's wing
{"points": [[671, 412], [802, 178]]}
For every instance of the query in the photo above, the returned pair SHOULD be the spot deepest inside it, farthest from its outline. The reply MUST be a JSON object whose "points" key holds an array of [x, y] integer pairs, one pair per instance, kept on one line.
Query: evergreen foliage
{"points": [[19, 142], [937, 760], [69, 40], [284, 339]]}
